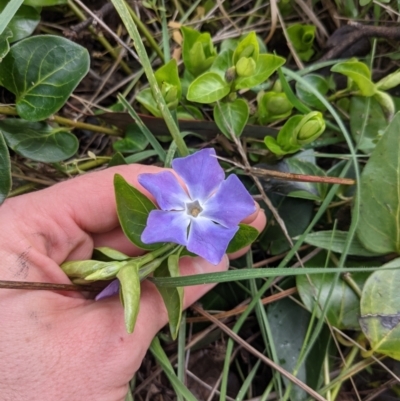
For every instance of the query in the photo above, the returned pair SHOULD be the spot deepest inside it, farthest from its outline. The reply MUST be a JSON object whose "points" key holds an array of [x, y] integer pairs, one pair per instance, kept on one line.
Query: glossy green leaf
{"points": [[23, 23], [366, 136], [133, 141], [129, 280], [38, 140], [359, 74], [380, 306], [5, 39], [320, 84], [231, 117], [173, 297], [344, 303], [208, 88], [44, 3], [246, 235], [379, 224], [133, 209], [266, 65], [5, 170], [336, 241], [289, 325], [42, 71]]}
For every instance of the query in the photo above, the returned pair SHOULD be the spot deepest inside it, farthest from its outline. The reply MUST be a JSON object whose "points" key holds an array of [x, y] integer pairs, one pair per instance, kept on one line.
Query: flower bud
{"points": [[273, 106], [311, 126], [170, 94], [245, 67]]}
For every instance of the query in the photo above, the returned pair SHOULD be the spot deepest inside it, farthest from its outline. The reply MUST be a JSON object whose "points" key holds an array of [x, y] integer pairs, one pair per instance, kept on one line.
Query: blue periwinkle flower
{"points": [[205, 215]]}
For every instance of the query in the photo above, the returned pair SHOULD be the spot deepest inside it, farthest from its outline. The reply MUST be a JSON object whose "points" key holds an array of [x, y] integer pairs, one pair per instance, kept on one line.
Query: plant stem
{"points": [[123, 11], [10, 111]]}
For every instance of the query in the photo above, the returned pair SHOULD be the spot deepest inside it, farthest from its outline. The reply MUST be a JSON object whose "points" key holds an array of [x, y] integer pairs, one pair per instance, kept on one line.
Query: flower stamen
{"points": [[193, 208]]}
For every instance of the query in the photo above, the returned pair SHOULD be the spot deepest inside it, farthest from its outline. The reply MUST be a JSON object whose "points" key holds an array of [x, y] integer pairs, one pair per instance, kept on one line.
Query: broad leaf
{"points": [[42, 71], [344, 304], [5, 170], [133, 209], [320, 84], [24, 22], [266, 65], [134, 140], [335, 241], [5, 39], [380, 311], [246, 235], [359, 74], [231, 117], [129, 280], [208, 88], [173, 297], [38, 140], [379, 224]]}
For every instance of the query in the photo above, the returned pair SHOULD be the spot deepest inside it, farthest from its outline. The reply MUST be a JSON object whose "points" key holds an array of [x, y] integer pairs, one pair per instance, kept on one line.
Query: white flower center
{"points": [[193, 208]]}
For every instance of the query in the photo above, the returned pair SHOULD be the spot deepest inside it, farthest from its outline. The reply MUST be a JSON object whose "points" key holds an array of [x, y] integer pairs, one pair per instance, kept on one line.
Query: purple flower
{"points": [[109, 291], [205, 217]]}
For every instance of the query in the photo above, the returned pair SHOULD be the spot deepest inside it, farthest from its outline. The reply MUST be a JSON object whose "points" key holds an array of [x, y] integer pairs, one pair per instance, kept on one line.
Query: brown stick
{"points": [[29, 285]]}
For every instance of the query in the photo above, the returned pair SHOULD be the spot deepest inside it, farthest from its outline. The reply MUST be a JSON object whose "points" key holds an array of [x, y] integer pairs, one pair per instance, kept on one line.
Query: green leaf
{"points": [[133, 141], [379, 224], [208, 88], [173, 297], [366, 137], [5, 38], [231, 117], [146, 99], [38, 140], [42, 71], [129, 281], [344, 304], [24, 22], [289, 325], [85, 268], [247, 47], [320, 84], [107, 254], [380, 306], [359, 73], [117, 160], [266, 65], [169, 74], [133, 209], [246, 235], [222, 62], [302, 37], [5, 170], [336, 241], [7, 13], [44, 3]]}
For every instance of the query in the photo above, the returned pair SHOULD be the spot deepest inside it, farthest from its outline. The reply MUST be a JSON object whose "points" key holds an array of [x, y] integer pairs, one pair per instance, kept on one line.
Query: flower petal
{"points": [[209, 240], [163, 226], [166, 189], [201, 173], [230, 204], [109, 291]]}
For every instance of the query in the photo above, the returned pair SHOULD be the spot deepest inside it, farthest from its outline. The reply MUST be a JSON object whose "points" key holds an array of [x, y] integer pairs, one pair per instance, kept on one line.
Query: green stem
{"points": [[105, 43], [10, 111], [123, 11]]}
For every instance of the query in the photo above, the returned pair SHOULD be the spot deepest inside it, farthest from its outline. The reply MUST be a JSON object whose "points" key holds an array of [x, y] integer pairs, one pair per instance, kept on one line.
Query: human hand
{"points": [[60, 345]]}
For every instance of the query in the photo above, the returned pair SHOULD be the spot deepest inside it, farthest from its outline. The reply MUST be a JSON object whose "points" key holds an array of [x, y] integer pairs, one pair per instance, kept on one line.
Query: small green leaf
{"points": [[42, 71], [247, 47], [173, 297], [344, 304], [386, 102], [359, 73], [146, 99], [379, 225], [38, 140], [302, 37], [320, 84], [133, 209], [208, 88], [117, 160], [222, 62], [169, 74], [266, 65], [5, 170], [380, 306], [273, 106], [246, 235], [231, 117], [24, 22], [84, 268], [129, 280], [390, 81], [107, 254], [133, 141]]}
